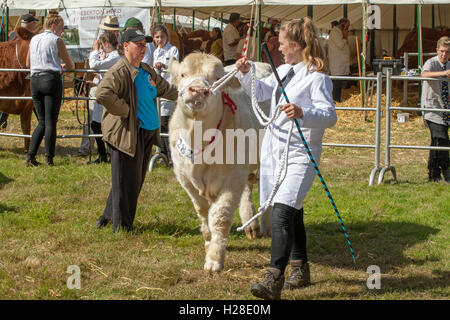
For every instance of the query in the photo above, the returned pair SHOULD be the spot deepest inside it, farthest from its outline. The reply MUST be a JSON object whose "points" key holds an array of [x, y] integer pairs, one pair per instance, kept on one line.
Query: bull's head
{"points": [[193, 78]]}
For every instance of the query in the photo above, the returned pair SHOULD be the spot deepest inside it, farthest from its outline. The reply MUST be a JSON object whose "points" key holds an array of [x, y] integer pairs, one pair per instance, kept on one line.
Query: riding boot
{"points": [[31, 161], [299, 276]]}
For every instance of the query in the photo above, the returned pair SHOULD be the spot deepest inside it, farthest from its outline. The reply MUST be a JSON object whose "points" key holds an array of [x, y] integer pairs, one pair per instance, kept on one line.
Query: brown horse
{"points": [[13, 55]]}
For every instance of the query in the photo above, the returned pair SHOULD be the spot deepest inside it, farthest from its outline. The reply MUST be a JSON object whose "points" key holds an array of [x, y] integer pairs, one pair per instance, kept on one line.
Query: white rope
{"points": [[264, 120]]}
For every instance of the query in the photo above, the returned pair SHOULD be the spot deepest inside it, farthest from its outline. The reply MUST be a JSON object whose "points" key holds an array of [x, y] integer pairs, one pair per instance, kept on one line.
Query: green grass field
{"points": [[48, 214]]}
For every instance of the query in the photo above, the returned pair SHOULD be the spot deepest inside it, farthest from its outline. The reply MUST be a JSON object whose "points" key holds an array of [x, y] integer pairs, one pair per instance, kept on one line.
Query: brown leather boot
{"points": [[299, 276], [270, 288]]}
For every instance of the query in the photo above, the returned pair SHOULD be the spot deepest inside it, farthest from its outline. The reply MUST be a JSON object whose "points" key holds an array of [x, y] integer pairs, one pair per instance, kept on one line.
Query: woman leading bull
{"points": [[46, 51], [309, 91]]}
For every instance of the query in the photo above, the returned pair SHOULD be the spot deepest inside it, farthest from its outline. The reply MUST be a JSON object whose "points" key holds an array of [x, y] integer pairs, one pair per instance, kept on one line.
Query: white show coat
{"points": [[164, 55], [98, 60], [312, 92], [338, 53]]}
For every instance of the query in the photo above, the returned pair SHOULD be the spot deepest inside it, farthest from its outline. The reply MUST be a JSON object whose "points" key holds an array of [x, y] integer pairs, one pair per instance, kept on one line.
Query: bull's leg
{"points": [[25, 123], [247, 210], [201, 206], [220, 220]]}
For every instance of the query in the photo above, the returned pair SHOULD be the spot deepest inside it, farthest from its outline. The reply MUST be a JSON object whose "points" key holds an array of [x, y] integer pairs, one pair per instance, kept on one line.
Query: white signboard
{"points": [[81, 26]]}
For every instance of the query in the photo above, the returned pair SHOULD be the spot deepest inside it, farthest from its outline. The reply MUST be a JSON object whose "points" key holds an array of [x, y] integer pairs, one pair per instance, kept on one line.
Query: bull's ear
{"points": [[24, 33], [174, 70]]}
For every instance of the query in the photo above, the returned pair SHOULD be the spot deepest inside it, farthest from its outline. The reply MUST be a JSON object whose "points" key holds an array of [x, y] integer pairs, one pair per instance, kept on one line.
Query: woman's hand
{"points": [[292, 111], [96, 45], [242, 65]]}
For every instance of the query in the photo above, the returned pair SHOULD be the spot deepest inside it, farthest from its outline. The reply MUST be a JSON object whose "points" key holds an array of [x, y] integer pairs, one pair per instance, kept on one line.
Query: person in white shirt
{"points": [[164, 51], [339, 55], [103, 56], [47, 51], [309, 91], [231, 39]]}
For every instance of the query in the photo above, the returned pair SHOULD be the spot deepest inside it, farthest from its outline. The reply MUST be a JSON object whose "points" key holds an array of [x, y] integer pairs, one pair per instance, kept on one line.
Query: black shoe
{"points": [[49, 161], [102, 222], [31, 161], [446, 174], [4, 124], [434, 175], [270, 288]]}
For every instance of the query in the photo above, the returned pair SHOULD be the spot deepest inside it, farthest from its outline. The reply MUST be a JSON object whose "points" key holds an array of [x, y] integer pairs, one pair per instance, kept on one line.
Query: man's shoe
{"points": [[31, 161], [270, 288], [49, 161], [299, 277], [434, 175], [102, 222]]}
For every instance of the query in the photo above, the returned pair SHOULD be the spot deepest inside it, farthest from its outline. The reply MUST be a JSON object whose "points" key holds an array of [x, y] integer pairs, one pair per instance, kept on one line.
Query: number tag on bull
{"points": [[184, 149]]}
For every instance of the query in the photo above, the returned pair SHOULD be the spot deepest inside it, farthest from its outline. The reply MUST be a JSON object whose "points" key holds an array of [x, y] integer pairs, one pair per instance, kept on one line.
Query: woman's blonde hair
{"points": [[52, 18], [303, 32]]}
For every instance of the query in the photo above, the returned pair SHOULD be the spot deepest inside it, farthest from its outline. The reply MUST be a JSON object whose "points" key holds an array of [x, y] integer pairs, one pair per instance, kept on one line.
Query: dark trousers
{"points": [[337, 89], [165, 146], [128, 175], [97, 129], [46, 91], [3, 117], [438, 159], [288, 236], [229, 62]]}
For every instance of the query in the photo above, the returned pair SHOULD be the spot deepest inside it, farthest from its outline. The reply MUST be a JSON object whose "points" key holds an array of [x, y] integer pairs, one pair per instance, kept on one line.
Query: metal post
{"points": [[377, 130], [364, 49], [405, 82], [7, 24], [395, 38], [387, 159]]}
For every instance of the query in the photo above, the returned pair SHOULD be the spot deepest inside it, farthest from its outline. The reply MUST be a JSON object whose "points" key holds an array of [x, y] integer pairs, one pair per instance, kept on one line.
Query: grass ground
{"points": [[47, 218]]}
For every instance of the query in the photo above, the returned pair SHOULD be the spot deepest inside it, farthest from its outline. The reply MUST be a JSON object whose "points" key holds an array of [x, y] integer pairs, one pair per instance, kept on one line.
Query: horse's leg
{"points": [[25, 122]]}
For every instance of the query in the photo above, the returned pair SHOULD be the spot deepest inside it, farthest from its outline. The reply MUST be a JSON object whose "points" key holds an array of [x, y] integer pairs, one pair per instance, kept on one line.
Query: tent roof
{"points": [[218, 5]]}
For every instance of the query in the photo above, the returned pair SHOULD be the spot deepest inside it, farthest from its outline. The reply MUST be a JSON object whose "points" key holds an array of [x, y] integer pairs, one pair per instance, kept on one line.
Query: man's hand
{"points": [[242, 65]]}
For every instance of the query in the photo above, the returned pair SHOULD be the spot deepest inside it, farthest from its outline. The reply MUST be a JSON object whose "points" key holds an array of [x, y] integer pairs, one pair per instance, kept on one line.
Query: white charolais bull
{"points": [[204, 134]]}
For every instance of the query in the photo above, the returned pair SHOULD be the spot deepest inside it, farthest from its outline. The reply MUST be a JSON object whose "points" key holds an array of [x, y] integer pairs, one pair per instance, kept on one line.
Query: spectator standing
{"points": [[435, 95], [134, 23], [47, 50], [231, 39], [130, 126], [217, 43], [339, 55], [103, 56], [164, 51]]}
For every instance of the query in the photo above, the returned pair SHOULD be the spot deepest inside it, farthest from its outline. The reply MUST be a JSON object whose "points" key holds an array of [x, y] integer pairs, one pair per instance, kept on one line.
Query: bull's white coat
{"points": [[215, 189]]}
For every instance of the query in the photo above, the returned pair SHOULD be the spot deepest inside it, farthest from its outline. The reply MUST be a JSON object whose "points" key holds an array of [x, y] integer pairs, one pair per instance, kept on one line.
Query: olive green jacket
{"points": [[117, 93]]}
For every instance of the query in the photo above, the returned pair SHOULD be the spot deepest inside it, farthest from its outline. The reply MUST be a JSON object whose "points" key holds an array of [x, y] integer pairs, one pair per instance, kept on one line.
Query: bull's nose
{"points": [[198, 91]]}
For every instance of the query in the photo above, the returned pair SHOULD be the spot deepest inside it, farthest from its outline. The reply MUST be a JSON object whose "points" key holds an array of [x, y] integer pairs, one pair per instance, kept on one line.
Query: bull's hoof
{"points": [[213, 266], [252, 232]]}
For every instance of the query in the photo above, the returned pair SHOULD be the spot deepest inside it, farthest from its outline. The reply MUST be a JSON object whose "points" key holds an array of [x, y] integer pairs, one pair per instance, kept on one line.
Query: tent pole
{"points": [[221, 21], [209, 22], [158, 13], [432, 16], [419, 36], [193, 20], [174, 19], [7, 24], [258, 40], [345, 11], [395, 40], [310, 11], [364, 50]]}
